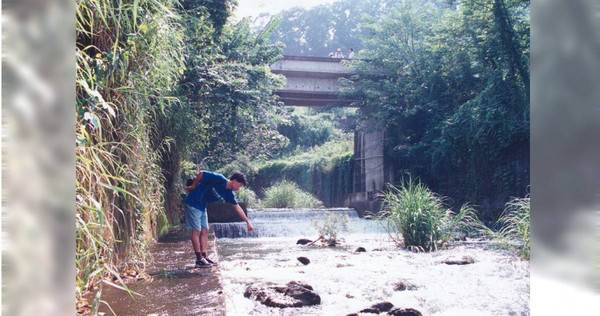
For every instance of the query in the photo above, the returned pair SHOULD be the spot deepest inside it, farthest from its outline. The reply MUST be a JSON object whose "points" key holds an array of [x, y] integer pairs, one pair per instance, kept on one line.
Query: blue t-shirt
{"points": [[208, 191]]}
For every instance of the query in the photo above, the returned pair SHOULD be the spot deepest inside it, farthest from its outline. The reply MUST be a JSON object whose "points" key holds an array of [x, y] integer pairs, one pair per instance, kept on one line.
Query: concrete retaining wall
{"points": [[224, 213]]}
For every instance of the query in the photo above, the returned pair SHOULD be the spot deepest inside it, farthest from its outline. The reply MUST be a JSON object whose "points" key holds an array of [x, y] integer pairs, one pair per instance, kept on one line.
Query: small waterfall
{"points": [[290, 223], [297, 213]]}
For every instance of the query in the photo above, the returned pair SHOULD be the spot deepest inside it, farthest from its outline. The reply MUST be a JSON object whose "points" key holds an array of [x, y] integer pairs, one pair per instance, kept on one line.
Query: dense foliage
{"points": [[159, 82], [450, 82], [129, 59], [228, 92], [325, 170], [248, 197], [316, 155], [305, 129]]}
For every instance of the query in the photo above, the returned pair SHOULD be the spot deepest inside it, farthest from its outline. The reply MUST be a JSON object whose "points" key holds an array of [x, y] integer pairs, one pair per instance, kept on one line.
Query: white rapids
{"points": [[347, 281]]}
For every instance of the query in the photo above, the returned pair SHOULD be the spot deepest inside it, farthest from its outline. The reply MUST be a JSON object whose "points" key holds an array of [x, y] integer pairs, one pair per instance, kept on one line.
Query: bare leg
{"points": [[204, 240], [196, 240]]}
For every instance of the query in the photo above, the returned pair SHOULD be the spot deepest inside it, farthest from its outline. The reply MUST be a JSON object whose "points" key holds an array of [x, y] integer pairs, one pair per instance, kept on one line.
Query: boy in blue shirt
{"points": [[202, 192]]}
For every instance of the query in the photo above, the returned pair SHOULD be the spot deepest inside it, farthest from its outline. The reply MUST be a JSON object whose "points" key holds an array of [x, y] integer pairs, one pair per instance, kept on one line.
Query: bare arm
{"points": [[196, 181], [240, 212]]}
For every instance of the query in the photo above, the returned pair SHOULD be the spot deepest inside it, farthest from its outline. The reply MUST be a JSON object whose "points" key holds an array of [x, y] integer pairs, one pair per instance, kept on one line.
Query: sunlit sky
{"points": [[256, 7]]}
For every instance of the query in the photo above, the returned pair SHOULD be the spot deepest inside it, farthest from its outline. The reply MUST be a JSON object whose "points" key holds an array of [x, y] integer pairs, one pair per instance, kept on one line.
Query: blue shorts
{"points": [[195, 219]]}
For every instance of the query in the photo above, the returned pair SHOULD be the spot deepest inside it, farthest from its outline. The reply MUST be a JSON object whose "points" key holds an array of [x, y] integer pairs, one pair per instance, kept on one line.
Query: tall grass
{"points": [[515, 225], [419, 219], [128, 60], [285, 194]]}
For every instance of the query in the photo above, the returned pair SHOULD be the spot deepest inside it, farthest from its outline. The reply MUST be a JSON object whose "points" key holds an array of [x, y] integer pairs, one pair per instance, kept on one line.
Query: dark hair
{"points": [[189, 182], [239, 177], [351, 49]]}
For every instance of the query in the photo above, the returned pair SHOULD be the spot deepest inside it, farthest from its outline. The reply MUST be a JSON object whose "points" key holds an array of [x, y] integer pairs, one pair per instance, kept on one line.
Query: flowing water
{"points": [[347, 281]]}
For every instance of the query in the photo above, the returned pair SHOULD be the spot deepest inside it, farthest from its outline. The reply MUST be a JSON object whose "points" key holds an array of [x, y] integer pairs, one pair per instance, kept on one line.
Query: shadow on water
{"points": [[174, 237]]}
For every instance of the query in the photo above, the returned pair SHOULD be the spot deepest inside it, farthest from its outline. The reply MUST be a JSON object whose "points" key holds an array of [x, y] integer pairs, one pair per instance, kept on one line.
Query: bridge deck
{"points": [[311, 81]]}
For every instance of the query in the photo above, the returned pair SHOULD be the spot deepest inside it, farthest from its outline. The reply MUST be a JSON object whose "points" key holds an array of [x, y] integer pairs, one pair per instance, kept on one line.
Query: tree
{"points": [[452, 90], [324, 28], [228, 91]]}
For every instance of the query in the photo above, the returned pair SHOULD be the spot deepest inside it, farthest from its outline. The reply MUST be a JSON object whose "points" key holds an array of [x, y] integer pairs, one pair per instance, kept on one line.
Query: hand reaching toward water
{"points": [[240, 212]]}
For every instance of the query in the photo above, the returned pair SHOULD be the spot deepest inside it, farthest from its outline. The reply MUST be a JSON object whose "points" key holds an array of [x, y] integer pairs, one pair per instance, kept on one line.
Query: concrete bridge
{"points": [[313, 81]]}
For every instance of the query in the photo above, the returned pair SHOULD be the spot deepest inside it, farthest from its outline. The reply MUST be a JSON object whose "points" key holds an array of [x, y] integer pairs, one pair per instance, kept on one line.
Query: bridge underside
{"points": [[303, 98]]}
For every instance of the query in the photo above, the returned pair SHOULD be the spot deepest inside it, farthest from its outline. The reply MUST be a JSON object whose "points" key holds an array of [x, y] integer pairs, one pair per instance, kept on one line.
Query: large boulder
{"points": [[303, 292], [224, 213], [294, 294], [270, 297]]}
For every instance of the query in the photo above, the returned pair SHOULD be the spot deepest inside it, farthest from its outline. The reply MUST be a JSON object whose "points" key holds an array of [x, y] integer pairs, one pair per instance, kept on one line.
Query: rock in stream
{"points": [[294, 294]]}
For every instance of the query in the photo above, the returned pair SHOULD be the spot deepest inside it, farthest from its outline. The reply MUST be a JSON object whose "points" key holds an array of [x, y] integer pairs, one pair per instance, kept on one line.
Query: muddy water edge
{"points": [[175, 287]]}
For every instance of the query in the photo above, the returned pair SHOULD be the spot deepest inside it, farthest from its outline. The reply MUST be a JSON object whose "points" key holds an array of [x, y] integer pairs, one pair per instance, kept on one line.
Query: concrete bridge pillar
{"points": [[369, 168]]}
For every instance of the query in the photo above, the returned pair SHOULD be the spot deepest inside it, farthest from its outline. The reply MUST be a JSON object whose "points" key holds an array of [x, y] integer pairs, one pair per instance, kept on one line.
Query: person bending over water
{"points": [[202, 192]]}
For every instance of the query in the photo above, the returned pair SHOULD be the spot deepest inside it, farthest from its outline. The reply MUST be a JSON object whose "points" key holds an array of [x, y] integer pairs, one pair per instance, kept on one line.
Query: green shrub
{"points": [[514, 224], [420, 218], [248, 197], [329, 226], [288, 194]]}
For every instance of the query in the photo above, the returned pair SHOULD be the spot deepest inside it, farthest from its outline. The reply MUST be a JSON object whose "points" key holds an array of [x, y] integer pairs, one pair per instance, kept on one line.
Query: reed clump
{"points": [[515, 225], [419, 219]]}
